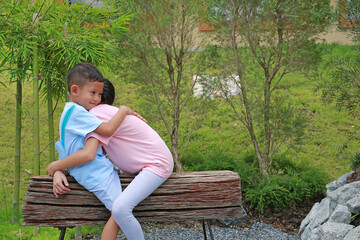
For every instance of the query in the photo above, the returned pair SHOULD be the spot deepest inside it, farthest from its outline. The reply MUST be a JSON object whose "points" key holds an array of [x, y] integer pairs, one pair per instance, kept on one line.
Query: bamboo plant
{"points": [[17, 54]]}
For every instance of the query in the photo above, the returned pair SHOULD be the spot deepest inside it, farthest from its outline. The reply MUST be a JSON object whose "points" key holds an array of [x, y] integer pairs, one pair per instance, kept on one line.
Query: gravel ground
{"points": [[258, 231]]}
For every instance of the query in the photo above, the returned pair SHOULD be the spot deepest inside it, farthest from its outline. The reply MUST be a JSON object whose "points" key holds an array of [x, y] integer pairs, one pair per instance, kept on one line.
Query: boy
{"points": [[85, 83]]}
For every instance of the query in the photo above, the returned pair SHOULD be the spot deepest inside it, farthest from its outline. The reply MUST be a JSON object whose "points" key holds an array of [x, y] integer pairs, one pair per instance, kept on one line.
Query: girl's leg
{"points": [[140, 188], [110, 230]]}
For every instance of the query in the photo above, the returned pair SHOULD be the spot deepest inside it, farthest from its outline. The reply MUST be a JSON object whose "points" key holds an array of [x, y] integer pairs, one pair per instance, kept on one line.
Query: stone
{"points": [[315, 234], [353, 234], [333, 186], [344, 193], [310, 217], [343, 178], [354, 204], [341, 214], [334, 231], [330, 219], [319, 214]]}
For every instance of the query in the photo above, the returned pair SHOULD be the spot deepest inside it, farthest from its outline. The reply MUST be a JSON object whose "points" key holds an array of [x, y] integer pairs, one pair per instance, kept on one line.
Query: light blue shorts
{"points": [[108, 190]]}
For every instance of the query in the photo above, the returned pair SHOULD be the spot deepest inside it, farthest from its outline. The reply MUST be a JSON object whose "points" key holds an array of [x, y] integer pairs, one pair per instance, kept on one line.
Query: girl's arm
{"points": [[107, 129], [85, 155]]}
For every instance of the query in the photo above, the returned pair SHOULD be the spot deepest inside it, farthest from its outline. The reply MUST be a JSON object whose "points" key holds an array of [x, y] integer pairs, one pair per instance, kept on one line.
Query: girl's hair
{"points": [[82, 73], [108, 95]]}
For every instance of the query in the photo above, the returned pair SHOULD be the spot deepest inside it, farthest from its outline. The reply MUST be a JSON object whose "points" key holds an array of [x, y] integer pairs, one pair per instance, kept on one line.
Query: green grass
{"points": [[10, 231]]}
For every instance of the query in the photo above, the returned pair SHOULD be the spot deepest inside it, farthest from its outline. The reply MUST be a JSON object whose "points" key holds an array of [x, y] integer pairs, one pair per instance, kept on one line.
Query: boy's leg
{"points": [[110, 230], [140, 188]]}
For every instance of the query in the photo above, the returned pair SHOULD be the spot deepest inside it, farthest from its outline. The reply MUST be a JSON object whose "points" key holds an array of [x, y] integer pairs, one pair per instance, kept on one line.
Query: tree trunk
{"points": [[36, 112], [174, 136], [16, 211], [175, 153], [50, 122], [67, 98], [248, 116], [264, 163]]}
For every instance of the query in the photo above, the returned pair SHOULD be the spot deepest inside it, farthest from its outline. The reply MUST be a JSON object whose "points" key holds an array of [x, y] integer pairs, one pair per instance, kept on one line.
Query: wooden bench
{"points": [[184, 196]]}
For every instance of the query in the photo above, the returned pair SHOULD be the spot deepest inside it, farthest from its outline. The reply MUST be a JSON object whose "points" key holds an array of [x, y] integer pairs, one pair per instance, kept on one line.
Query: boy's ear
{"points": [[74, 89]]}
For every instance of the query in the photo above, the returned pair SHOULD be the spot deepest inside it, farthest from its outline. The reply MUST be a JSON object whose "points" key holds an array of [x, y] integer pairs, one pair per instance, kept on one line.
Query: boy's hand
{"points": [[128, 110], [131, 112], [51, 168], [60, 183], [137, 115]]}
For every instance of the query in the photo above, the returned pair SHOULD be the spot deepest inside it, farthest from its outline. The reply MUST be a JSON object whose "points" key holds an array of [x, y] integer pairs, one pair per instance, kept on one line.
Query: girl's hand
{"points": [[129, 111], [60, 183]]}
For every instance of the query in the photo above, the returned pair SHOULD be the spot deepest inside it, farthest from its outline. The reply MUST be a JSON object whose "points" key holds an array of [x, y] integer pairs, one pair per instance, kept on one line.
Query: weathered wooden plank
{"points": [[52, 212], [66, 199], [100, 216], [184, 196], [82, 191], [208, 175], [165, 216], [63, 223], [164, 189], [218, 198], [193, 214]]}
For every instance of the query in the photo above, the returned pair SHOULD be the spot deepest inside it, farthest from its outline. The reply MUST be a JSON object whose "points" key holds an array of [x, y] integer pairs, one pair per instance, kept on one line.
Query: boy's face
{"points": [[88, 95]]}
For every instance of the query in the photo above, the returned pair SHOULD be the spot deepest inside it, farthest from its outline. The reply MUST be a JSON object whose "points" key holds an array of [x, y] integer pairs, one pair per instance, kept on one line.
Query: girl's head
{"points": [[108, 94]]}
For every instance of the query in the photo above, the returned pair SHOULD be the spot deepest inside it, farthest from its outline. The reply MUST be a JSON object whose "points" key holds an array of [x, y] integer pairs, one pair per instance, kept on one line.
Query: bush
{"points": [[267, 195], [355, 161], [289, 183], [215, 160]]}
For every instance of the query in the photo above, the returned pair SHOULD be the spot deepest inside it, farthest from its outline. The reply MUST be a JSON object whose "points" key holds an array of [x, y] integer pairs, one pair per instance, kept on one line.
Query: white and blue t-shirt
{"points": [[75, 123]]}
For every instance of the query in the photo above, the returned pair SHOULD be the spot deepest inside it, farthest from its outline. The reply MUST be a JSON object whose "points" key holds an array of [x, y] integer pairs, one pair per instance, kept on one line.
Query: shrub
{"points": [[290, 182], [355, 161], [267, 195]]}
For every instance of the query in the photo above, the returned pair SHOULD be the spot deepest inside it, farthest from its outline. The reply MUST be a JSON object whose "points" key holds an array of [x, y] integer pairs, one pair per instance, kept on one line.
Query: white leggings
{"points": [[140, 188]]}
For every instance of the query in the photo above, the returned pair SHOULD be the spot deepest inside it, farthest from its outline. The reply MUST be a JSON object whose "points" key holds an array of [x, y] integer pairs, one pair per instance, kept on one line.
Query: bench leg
{"points": [[209, 227], [62, 233]]}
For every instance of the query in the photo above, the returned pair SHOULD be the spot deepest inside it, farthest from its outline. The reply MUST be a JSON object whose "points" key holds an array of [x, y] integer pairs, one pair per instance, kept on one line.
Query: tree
{"points": [[261, 42], [17, 51], [339, 74], [61, 37], [340, 79], [164, 47]]}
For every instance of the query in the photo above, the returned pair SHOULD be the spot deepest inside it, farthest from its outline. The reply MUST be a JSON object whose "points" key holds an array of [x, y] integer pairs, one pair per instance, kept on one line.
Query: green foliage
{"points": [[290, 182], [355, 161], [161, 54], [340, 79], [11, 231], [266, 41], [298, 183], [265, 196]]}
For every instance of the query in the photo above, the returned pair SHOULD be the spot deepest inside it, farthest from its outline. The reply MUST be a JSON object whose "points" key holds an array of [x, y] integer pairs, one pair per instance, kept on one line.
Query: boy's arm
{"points": [[85, 155], [107, 129]]}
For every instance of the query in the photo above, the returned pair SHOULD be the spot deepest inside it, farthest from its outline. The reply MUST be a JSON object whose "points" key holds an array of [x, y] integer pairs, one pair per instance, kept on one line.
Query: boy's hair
{"points": [[83, 73], [108, 95]]}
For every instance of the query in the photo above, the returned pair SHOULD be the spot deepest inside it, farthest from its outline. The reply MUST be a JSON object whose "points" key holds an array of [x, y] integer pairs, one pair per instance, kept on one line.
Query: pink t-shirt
{"points": [[135, 145]]}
